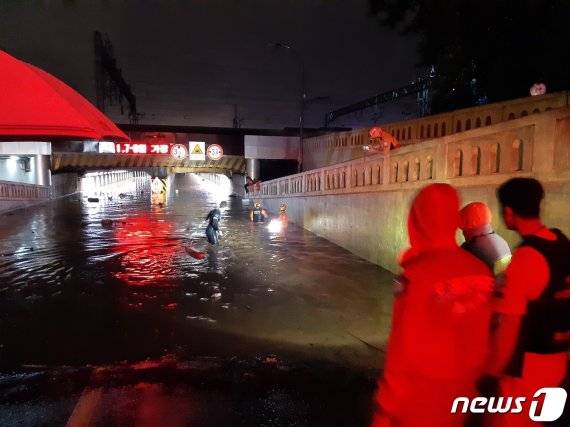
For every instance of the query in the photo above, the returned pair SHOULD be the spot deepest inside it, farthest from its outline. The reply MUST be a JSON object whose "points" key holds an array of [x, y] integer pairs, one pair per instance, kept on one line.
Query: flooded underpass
{"points": [[106, 319]]}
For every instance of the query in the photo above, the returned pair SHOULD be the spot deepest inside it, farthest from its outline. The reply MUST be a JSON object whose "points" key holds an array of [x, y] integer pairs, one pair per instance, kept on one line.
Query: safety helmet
{"points": [[474, 215], [282, 207], [375, 132], [257, 204]]}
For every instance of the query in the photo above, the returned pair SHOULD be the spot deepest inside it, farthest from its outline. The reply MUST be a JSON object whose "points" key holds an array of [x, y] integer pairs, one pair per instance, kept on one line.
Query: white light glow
{"points": [[106, 147], [274, 226], [12, 164], [220, 191]]}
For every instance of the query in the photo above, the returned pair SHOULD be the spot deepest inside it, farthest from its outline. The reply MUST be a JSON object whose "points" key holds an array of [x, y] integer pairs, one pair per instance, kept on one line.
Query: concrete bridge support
{"points": [[252, 168], [41, 168]]}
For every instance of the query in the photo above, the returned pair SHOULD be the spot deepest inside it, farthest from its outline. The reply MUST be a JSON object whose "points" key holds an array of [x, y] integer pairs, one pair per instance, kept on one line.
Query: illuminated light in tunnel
{"points": [[91, 184], [106, 147], [98, 174], [220, 191], [12, 163]]}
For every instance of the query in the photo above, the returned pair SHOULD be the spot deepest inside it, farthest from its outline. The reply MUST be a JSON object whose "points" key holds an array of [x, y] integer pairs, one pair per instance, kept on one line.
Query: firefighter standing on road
{"points": [[440, 321]]}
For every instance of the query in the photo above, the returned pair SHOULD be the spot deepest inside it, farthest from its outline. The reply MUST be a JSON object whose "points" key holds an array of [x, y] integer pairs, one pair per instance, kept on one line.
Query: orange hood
{"points": [[433, 219]]}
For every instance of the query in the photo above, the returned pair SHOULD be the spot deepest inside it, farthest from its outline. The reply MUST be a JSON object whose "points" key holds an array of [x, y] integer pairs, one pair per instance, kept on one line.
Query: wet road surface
{"points": [[105, 317]]}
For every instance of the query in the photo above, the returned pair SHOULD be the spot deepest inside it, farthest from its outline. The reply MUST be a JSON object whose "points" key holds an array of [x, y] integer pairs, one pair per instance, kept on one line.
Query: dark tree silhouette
{"points": [[486, 49]]}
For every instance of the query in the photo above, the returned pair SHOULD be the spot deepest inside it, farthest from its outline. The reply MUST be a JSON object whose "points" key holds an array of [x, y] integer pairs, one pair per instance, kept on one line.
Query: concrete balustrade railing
{"points": [[342, 146], [506, 148], [15, 195], [19, 191], [362, 204], [475, 117]]}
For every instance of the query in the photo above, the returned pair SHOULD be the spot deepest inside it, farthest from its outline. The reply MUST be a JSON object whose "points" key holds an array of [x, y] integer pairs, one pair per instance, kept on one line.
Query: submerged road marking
{"points": [[85, 408]]}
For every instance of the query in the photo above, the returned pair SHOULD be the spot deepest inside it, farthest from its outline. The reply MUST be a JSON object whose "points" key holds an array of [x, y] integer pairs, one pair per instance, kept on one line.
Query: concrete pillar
{"points": [[42, 169], [252, 168], [237, 184]]}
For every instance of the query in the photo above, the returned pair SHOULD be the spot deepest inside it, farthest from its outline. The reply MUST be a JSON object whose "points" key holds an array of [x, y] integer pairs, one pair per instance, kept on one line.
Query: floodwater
{"points": [[109, 285]]}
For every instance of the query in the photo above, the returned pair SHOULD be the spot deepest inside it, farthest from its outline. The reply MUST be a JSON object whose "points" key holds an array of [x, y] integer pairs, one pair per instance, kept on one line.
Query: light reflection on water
{"points": [[119, 270]]}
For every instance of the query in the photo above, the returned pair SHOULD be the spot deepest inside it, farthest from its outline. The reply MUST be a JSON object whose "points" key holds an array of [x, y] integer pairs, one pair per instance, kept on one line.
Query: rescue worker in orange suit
{"points": [[440, 321], [258, 214], [529, 348], [382, 141], [480, 238], [283, 218]]}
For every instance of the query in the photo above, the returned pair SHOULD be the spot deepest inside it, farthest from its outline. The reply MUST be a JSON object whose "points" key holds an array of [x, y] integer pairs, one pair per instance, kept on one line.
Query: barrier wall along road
{"points": [[362, 204]]}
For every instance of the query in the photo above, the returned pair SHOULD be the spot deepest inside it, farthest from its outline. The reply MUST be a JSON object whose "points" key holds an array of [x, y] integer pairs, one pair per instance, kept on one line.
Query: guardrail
{"points": [[504, 149], [20, 191], [318, 150]]}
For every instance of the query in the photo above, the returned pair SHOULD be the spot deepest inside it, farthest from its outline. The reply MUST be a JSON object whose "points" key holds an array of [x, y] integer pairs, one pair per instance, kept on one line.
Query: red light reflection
{"points": [[147, 249]]}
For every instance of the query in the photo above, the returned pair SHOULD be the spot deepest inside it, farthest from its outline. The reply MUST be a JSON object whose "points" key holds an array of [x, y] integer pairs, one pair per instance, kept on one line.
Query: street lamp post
{"points": [[303, 100]]}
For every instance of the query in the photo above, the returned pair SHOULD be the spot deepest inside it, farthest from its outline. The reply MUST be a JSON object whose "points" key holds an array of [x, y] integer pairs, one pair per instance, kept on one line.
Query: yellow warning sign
{"points": [[197, 150]]}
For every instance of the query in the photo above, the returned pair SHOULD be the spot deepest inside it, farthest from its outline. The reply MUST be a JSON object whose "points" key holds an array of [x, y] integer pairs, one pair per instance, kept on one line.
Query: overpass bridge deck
{"points": [[66, 161]]}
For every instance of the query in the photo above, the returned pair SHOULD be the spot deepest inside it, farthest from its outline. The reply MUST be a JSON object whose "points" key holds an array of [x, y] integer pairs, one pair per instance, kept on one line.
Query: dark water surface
{"points": [[80, 294]]}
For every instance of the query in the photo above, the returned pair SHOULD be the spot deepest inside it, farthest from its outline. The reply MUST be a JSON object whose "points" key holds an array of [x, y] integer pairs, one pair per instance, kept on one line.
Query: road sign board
{"points": [[215, 152], [197, 150], [158, 186], [179, 151]]}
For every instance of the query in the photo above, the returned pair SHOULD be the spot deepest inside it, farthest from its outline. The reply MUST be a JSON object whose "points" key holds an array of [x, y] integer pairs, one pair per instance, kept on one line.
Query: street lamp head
{"points": [[281, 45]]}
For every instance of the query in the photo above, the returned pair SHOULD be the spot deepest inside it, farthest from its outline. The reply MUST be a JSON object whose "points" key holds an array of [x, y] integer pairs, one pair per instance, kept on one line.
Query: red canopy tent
{"points": [[34, 103]]}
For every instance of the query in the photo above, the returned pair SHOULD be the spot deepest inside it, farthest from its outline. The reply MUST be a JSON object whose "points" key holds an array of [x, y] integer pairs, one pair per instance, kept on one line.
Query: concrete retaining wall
{"points": [[63, 184], [362, 204]]}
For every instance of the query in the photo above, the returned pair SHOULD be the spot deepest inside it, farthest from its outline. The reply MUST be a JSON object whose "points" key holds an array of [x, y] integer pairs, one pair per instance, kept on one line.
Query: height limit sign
{"points": [[214, 152]]}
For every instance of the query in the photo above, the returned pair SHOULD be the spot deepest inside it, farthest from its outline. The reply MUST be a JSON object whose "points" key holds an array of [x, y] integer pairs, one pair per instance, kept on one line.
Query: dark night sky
{"points": [[189, 62]]}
